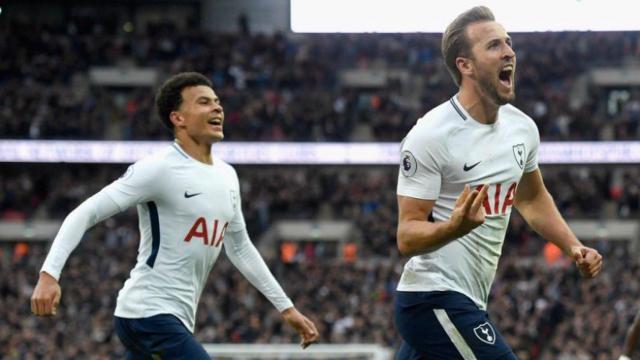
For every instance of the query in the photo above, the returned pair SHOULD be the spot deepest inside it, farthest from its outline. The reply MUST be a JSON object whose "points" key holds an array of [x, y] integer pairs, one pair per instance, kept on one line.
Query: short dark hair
{"points": [[455, 42], [169, 97]]}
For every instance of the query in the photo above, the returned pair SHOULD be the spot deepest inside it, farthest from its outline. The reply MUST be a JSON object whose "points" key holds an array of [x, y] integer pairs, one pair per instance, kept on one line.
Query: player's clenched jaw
{"points": [[200, 115], [493, 61]]}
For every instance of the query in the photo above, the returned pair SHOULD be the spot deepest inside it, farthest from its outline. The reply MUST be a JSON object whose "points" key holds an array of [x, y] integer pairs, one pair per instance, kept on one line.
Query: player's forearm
{"points": [[631, 341], [87, 214], [544, 218], [246, 258], [418, 237]]}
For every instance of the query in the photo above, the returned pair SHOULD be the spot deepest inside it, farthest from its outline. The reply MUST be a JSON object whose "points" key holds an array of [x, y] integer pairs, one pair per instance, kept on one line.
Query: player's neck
{"points": [[478, 106], [200, 151]]}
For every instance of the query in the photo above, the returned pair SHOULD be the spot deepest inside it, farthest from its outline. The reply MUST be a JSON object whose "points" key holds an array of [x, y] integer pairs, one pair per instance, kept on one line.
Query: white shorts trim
{"points": [[454, 335]]}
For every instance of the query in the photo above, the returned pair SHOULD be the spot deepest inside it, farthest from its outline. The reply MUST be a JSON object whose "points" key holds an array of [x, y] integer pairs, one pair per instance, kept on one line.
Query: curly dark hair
{"points": [[169, 96]]}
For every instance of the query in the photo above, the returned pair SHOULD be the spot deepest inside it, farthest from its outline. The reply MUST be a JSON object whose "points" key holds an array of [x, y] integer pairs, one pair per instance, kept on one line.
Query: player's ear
{"points": [[464, 65], [176, 119]]}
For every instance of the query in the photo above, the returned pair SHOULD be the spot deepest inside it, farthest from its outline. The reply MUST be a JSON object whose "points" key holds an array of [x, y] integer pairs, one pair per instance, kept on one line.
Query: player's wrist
{"points": [[571, 246], [288, 311], [452, 230], [290, 315], [45, 276]]}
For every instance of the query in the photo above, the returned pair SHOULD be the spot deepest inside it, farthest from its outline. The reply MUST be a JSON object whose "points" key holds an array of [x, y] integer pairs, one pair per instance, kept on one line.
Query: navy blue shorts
{"points": [[446, 325], [158, 337]]}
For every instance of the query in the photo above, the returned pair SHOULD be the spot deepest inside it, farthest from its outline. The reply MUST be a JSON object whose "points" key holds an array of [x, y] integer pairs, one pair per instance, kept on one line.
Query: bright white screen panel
{"points": [[274, 153], [355, 16]]}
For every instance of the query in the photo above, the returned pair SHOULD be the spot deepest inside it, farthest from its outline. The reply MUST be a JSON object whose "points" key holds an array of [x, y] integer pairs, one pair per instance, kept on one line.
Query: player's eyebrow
{"points": [[208, 98], [506, 39]]}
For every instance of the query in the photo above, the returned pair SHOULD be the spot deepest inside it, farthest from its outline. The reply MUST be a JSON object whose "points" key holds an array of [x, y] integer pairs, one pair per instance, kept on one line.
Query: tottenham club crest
{"points": [[485, 333], [519, 153], [408, 164]]}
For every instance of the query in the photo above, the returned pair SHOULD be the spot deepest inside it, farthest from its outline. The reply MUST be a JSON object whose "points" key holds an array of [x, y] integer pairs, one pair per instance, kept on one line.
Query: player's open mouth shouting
{"points": [[505, 75]]}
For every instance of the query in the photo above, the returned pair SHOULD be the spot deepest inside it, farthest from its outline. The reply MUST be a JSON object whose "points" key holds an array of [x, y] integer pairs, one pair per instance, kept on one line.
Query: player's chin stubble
{"points": [[490, 89]]}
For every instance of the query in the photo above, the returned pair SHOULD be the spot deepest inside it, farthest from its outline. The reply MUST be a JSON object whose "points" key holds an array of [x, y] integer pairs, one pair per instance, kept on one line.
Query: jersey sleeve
{"points": [[138, 184], [93, 210], [420, 174], [246, 258], [532, 154]]}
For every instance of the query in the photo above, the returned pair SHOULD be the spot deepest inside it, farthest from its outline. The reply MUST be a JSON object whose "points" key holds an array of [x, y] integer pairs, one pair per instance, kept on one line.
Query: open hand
{"points": [[468, 213]]}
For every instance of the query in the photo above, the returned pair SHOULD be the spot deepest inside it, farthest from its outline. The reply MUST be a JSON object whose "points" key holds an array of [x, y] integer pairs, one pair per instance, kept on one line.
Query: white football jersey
{"points": [[185, 207], [445, 150]]}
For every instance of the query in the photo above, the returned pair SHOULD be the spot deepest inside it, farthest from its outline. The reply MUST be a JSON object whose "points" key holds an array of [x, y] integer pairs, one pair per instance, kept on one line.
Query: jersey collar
{"points": [[464, 115]]}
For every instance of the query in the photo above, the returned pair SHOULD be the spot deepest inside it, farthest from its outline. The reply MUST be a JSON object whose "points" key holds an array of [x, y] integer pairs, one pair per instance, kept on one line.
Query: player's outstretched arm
{"points": [[536, 206], [632, 339], [246, 258], [416, 235], [305, 327], [47, 293]]}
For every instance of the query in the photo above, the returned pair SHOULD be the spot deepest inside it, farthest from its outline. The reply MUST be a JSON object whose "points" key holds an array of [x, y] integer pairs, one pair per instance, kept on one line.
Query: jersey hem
{"points": [[126, 315], [481, 304]]}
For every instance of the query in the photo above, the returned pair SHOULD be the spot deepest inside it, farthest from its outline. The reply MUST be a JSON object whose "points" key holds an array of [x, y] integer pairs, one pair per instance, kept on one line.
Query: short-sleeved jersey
{"points": [[445, 150], [184, 208]]}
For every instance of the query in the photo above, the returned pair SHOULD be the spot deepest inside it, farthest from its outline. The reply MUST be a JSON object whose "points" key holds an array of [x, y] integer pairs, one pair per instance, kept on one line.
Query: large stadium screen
{"points": [[357, 16]]}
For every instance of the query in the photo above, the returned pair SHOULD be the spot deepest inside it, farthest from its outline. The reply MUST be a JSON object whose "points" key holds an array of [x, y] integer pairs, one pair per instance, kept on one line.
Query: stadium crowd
{"points": [[279, 88]]}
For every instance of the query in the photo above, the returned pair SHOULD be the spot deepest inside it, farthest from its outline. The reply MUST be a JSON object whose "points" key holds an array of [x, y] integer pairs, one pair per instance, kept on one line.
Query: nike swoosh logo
{"points": [[187, 195], [467, 168]]}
